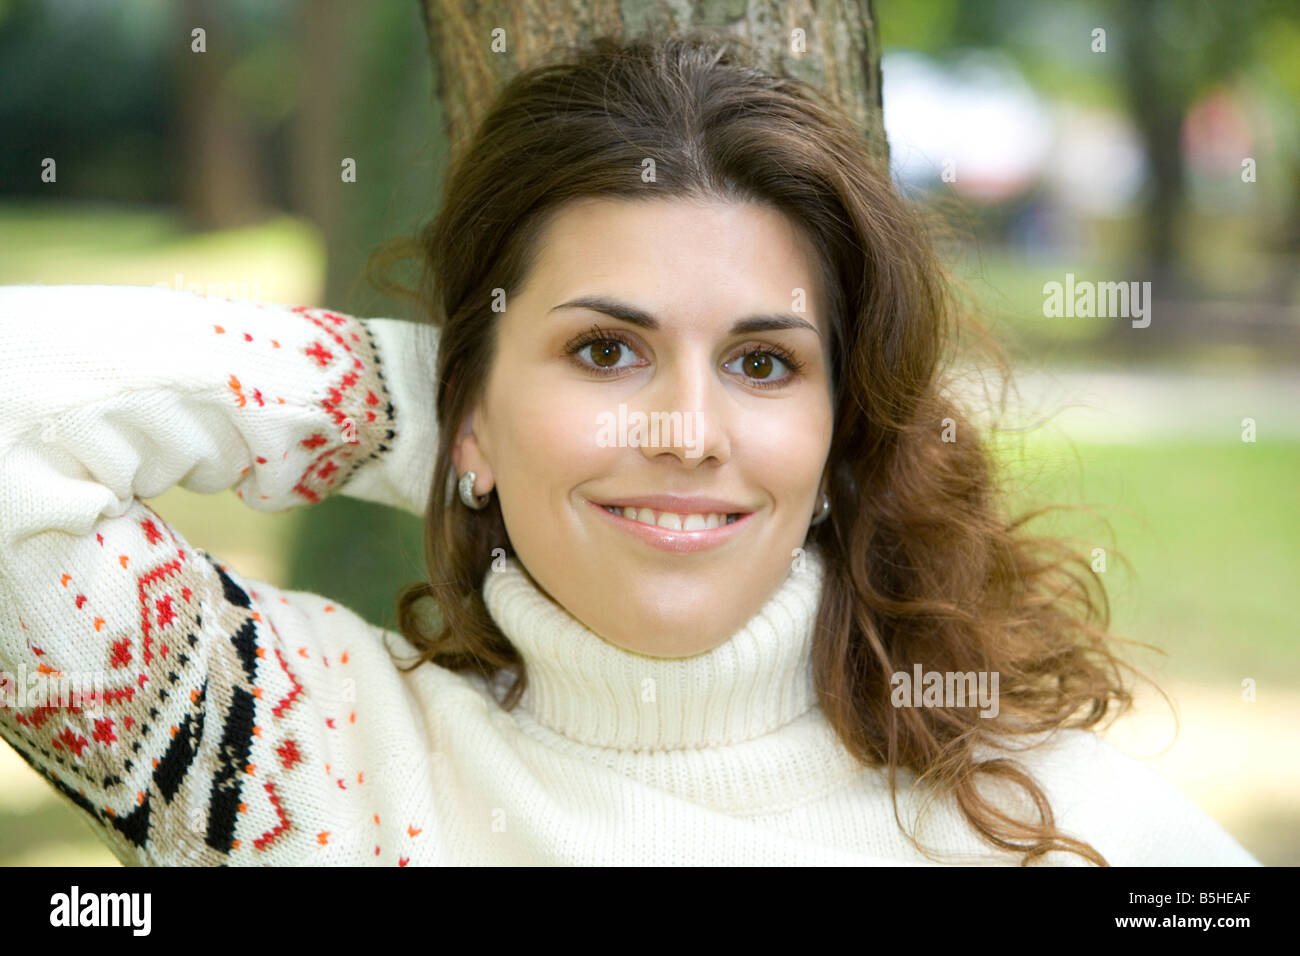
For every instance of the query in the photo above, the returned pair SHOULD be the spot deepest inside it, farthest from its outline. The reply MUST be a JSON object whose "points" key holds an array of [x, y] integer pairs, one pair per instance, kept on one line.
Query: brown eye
{"points": [[767, 367], [758, 365], [606, 353]]}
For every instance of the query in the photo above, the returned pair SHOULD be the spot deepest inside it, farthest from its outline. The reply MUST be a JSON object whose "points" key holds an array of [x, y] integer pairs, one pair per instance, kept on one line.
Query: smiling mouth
{"points": [[674, 521]]}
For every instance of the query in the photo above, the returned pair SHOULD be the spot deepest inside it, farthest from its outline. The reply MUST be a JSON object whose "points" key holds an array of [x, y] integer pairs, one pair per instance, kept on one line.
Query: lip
{"points": [[667, 539]]}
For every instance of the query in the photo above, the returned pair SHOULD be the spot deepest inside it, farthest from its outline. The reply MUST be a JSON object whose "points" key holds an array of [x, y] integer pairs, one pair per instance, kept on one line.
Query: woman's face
{"points": [[714, 307]]}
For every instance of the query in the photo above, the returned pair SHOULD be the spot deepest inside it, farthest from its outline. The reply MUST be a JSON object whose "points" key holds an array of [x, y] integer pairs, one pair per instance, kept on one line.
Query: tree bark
{"points": [[325, 61], [1158, 94], [223, 179], [841, 54]]}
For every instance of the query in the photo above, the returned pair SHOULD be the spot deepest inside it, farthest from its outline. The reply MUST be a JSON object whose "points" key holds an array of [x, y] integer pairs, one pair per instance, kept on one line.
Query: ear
{"points": [[468, 455]]}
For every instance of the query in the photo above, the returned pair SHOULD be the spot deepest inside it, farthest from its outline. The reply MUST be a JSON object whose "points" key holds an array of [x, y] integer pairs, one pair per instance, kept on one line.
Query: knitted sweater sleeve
{"points": [[113, 394]]}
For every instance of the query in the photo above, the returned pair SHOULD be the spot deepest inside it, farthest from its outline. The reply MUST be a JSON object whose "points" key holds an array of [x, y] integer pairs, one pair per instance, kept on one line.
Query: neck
{"points": [[596, 693]]}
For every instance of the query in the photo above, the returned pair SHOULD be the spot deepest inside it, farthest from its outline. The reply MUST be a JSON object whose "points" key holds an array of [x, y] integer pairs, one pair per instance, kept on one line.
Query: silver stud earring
{"points": [[467, 492], [824, 511]]}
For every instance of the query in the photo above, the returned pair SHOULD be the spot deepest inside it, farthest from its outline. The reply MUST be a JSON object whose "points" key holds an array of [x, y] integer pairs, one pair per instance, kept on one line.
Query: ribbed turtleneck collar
{"points": [[596, 693]]}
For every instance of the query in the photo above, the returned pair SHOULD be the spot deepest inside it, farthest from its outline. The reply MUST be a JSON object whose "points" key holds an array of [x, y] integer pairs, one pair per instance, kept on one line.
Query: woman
{"points": [[709, 527]]}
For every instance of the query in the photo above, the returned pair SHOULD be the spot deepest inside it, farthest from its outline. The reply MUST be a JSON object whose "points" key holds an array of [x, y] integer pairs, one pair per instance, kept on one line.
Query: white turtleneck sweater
{"points": [[246, 724]]}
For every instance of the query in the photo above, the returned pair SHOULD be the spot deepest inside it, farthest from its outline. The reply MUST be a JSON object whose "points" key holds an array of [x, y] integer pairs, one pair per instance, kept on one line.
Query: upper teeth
{"points": [[672, 520]]}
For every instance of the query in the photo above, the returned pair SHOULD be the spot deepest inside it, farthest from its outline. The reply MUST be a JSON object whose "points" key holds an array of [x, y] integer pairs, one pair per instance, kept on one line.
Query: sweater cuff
{"points": [[401, 478]]}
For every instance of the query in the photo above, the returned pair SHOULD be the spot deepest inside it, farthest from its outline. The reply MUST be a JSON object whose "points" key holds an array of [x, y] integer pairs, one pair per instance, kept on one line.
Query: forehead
{"points": [[706, 260]]}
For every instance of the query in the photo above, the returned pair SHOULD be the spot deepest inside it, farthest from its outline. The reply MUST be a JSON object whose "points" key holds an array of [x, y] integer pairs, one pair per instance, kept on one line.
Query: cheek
{"points": [[549, 442], [786, 444]]}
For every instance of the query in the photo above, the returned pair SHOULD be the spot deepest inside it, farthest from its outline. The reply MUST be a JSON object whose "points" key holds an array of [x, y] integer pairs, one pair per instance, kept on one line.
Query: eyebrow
{"points": [[775, 321]]}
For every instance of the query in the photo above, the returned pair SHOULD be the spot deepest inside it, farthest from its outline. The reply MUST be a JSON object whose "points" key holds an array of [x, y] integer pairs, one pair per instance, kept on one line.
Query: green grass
{"points": [[1227, 259], [1008, 291], [1213, 534], [280, 260]]}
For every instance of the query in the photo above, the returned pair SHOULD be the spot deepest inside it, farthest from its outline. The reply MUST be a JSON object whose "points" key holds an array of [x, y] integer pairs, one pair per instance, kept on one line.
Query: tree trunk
{"points": [[326, 59], [223, 180], [1158, 95], [840, 55]]}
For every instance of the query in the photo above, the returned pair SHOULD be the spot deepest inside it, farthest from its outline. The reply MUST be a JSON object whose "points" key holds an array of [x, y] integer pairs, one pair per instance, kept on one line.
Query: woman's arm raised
{"points": [[195, 751]]}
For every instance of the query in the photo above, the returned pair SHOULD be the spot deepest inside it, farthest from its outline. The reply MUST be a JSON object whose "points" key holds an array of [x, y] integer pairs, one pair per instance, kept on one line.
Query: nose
{"points": [[688, 403]]}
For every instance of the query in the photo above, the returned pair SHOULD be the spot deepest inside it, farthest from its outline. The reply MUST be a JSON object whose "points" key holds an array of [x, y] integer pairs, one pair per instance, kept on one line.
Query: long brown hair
{"points": [[922, 564]]}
